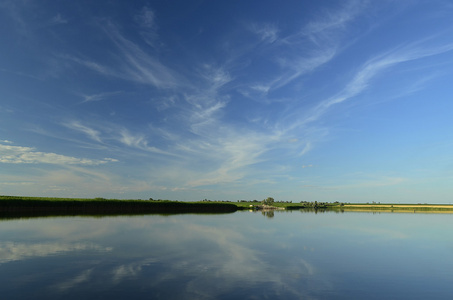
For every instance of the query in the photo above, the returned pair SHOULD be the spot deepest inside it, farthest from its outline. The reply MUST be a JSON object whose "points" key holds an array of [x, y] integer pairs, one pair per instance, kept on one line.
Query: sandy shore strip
{"points": [[446, 206]]}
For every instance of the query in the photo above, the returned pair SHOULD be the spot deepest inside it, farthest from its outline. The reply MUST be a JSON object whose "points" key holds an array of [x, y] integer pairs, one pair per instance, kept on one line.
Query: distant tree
{"points": [[268, 201]]}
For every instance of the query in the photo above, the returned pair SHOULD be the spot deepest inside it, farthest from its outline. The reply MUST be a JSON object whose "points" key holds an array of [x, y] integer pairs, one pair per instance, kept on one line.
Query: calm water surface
{"points": [[245, 255]]}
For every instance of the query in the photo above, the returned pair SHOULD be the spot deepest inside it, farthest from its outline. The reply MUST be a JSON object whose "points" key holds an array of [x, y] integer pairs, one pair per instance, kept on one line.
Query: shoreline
{"points": [[399, 207], [18, 205], [450, 206]]}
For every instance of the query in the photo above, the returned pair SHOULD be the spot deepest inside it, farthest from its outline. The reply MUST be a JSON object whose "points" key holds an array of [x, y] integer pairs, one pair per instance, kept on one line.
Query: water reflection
{"points": [[11, 251], [243, 255], [269, 214]]}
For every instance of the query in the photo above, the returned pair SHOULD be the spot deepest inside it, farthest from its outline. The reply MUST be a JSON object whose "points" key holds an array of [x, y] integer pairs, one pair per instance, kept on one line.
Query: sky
{"points": [[347, 101]]}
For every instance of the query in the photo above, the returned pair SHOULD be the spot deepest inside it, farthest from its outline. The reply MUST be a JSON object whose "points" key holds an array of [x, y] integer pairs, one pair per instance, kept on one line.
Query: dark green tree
{"points": [[269, 201]]}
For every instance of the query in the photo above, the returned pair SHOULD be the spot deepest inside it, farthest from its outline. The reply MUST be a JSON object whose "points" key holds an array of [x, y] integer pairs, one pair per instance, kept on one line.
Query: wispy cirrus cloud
{"points": [[133, 63], [90, 132], [297, 66], [374, 67], [93, 65], [215, 77], [99, 97], [146, 18], [322, 36], [326, 27], [224, 150], [202, 131], [138, 65], [227, 153], [323, 39], [56, 20], [207, 98], [203, 115], [139, 141], [267, 32], [306, 50], [367, 72], [112, 135]]}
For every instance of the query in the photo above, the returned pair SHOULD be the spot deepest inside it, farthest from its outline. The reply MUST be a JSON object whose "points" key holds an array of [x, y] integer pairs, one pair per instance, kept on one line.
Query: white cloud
{"points": [[139, 141], [133, 64], [261, 88], [91, 133], [138, 65], [215, 77], [56, 20], [146, 18], [203, 117], [305, 51], [327, 25], [371, 69], [267, 32], [90, 64], [313, 46], [113, 134], [231, 154], [308, 146], [301, 65], [100, 96], [207, 100], [165, 103], [28, 155]]}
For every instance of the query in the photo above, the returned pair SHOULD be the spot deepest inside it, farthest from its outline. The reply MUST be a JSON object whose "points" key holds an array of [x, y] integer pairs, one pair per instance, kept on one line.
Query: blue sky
{"points": [[299, 100]]}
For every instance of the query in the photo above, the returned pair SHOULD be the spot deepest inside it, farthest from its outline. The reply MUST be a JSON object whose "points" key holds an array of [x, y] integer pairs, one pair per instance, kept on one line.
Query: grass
{"points": [[16, 204]]}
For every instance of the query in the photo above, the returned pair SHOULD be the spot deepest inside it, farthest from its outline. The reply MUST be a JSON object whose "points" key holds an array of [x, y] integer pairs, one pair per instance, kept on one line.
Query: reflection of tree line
{"points": [[271, 213]]}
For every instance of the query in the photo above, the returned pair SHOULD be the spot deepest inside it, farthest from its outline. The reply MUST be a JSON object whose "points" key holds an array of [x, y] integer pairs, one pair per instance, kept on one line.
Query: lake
{"points": [[243, 255]]}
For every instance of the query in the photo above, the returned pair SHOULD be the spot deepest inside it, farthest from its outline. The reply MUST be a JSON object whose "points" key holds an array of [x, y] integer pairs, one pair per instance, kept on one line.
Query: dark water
{"points": [[233, 256]]}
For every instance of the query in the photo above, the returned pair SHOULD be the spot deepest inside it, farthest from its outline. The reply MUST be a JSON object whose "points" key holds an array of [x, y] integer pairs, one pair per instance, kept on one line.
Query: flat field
{"points": [[433, 208]]}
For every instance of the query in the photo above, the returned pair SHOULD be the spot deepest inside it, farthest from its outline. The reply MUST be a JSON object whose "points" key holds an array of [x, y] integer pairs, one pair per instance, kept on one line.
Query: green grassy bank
{"points": [[17, 204]]}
